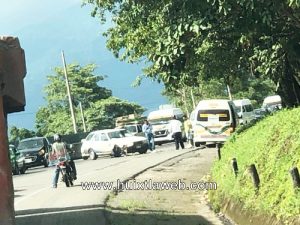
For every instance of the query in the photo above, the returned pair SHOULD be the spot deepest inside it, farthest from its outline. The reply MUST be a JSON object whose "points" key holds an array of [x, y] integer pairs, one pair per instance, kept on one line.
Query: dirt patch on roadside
{"points": [[168, 206]]}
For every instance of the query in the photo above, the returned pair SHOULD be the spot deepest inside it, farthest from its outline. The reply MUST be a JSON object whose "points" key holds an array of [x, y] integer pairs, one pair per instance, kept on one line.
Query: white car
{"points": [[112, 141]]}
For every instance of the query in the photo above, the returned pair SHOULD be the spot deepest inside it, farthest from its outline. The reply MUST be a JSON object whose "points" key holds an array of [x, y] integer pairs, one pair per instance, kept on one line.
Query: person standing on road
{"points": [[188, 131], [147, 129], [59, 149], [175, 127]]}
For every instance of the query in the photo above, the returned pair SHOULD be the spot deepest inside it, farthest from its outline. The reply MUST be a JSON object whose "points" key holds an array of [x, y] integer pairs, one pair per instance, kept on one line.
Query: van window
{"points": [[249, 108], [223, 114]]}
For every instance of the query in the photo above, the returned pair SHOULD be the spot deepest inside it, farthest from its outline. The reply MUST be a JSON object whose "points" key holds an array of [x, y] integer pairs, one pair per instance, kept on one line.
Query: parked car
{"points": [[113, 142], [17, 162], [135, 129], [260, 113], [35, 150]]}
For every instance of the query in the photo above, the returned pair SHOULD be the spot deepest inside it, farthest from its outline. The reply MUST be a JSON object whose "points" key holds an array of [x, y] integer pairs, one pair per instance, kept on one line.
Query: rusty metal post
{"points": [[255, 176], [295, 177], [7, 212], [235, 166], [12, 99], [219, 151]]}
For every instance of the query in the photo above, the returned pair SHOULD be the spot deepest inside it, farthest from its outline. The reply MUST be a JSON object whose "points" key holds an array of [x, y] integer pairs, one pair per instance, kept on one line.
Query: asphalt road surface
{"points": [[36, 202]]}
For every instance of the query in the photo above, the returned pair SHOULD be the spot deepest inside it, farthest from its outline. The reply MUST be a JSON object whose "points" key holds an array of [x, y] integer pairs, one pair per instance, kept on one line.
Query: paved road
{"points": [[37, 203]]}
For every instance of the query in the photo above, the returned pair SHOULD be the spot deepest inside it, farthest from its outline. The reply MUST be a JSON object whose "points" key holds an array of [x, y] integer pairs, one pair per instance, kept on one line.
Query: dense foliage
{"points": [[99, 106], [273, 145], [17, 134], [187, 42]]}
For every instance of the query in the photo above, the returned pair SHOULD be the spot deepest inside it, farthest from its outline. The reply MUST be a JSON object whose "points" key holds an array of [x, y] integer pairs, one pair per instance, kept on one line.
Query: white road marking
{"points": [[59, 212]]}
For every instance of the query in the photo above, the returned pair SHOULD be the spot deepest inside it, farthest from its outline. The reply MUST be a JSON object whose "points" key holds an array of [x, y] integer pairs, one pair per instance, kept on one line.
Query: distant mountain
{"points": [[73, 30]]}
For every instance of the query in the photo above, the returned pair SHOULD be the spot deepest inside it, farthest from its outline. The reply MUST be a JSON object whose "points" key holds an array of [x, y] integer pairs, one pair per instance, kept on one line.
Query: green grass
{"points": [[273, 145]]}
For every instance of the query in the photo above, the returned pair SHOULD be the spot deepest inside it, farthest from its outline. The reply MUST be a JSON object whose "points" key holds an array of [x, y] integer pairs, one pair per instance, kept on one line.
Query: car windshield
{"points": [[157, 122], [118, 134], [218, 114], [29, 144], [131, 128]]}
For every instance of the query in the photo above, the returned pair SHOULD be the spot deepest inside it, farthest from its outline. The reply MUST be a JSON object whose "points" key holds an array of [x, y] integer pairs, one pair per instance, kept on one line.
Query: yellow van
{"points": [[213, 121]]}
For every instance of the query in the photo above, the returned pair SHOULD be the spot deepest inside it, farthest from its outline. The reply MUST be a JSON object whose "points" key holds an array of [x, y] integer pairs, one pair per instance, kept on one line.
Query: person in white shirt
{"points": [[175, 127], [147, 129]]}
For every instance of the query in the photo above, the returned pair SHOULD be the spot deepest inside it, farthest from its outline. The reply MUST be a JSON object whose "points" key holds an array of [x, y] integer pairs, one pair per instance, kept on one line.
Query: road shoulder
{"points": [[167, 206]]}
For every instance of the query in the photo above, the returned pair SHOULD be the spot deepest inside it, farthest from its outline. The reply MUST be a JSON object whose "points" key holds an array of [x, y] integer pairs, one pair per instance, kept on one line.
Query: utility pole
{"points": [[82, 117], [229, 92], [69, 93], [185, 103], [193, 99]]}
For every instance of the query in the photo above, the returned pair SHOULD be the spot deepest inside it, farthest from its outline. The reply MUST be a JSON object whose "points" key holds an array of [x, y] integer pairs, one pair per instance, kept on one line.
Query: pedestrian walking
{"points": [[147, 129], [188, 131], [175, 127]]}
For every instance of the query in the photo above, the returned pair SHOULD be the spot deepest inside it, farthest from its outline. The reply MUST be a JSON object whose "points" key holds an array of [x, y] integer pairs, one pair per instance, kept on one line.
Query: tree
{"points": [[184, 42], [17, 134], [99, 106]]}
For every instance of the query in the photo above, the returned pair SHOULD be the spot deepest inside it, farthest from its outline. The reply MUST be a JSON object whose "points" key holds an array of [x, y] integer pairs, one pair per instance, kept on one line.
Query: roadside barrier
{"points": [[294, 172], [295, 177]]}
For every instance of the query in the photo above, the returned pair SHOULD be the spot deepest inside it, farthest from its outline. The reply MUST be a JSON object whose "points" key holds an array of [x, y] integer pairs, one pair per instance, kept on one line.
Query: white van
{"points": [[245, 110], [159, 120], [272, 103], [213, 121]]}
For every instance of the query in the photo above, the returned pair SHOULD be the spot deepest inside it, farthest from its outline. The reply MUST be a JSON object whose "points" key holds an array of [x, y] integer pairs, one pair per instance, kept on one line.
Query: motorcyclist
{"points": [[59, 149]]}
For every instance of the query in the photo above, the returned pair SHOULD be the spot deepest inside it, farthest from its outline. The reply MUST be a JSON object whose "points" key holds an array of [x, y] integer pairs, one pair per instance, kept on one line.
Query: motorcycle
{"points": [[66, 172]]}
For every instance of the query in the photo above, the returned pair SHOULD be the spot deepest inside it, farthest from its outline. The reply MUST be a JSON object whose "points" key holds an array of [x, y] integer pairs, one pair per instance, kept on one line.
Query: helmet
{"points": [[57, 138]]}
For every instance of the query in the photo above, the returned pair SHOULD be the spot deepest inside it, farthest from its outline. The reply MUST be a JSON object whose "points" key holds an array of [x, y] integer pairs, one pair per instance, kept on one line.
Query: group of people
{"points": [[59, 148], [175, 126]]}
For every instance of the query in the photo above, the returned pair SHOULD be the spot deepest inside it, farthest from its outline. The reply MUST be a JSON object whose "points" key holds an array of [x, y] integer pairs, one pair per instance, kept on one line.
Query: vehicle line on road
{"points": [[47, 188], [60, 212], [30, 195]]}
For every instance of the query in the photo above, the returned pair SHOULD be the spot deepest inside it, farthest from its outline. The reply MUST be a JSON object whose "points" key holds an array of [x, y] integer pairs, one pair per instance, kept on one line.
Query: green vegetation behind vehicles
{"points": [[17, 162], [273, 145]]}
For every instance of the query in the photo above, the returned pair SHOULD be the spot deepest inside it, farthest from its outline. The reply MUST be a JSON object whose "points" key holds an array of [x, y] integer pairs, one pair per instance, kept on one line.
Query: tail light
{"points": [[62, 163]]}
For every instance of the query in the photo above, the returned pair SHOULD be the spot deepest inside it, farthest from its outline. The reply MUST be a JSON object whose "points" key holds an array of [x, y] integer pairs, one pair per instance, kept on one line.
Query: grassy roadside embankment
{"points": [[273, 145]]}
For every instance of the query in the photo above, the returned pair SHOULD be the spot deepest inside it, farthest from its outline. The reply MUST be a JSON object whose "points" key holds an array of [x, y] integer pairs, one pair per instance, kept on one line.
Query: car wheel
{"points": [[23, 169], [85, 157], [93, 155], [117, 151], [16, 171], [143, 151], [197, 144], [46, 163]]}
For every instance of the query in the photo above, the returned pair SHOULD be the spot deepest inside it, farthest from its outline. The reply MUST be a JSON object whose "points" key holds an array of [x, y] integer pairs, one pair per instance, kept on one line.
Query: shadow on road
{"points": [[97, 215]]}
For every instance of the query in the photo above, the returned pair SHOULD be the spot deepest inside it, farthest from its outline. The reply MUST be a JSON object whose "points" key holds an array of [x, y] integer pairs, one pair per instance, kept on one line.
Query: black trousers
{"points": [[178, 140], [73, 167]]}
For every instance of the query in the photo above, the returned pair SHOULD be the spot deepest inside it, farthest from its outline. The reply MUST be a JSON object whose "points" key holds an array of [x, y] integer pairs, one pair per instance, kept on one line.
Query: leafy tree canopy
{"points": [[17, 134], [99, 106], [185, 42]]}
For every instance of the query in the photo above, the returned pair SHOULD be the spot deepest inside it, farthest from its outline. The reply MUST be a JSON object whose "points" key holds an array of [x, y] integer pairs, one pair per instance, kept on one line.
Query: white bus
{"points": [[213, 121]]}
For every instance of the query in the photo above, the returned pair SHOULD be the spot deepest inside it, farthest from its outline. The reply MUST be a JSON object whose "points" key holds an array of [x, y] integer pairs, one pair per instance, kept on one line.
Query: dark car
{"points": [[260, 113], [17, 162], [35, 150]]}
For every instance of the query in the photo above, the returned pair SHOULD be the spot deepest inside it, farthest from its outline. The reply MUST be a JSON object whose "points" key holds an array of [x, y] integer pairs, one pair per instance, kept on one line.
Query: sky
{"points": [[47, 27]]}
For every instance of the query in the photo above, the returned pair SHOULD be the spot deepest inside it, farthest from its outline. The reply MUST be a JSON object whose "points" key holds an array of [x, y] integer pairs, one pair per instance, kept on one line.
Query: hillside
{"points": [[273, 145]]}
